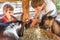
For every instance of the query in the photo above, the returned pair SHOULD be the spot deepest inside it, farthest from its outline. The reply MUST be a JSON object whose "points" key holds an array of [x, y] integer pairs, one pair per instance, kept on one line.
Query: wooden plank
{"points": [[8, 0]]}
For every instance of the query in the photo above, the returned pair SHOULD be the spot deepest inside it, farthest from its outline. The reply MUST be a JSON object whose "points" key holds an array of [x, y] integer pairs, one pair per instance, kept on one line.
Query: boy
{"points": [[42, 6], [38, 5], [8, 12]]}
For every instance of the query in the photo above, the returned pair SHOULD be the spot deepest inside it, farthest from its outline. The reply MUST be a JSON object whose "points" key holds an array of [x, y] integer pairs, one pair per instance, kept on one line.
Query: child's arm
{"points": [[38, 10], [36, 15]]}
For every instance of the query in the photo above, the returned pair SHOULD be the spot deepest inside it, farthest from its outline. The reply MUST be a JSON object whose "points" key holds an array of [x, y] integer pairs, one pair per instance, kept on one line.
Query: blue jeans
{"points": [[3, 25]]}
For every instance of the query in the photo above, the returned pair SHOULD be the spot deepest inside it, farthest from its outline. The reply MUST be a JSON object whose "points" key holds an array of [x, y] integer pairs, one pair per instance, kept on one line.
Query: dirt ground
{"points": [[36, 33]]}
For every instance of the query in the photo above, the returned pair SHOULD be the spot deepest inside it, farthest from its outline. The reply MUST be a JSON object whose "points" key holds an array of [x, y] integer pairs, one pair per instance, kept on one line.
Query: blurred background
{"points": [[18, 7], [57, 3]]}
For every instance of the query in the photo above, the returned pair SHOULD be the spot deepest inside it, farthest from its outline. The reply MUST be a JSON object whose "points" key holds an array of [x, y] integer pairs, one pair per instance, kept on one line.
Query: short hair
{"points": [[36, 3], [7, 6]]}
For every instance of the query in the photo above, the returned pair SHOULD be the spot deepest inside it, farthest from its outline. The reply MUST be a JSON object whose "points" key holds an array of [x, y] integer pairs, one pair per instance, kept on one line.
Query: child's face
{"points": [[8, 12], [37, 9]]}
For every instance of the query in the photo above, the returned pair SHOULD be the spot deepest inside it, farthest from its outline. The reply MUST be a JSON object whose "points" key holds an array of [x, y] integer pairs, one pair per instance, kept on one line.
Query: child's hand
{"points": [[34, 21]]}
